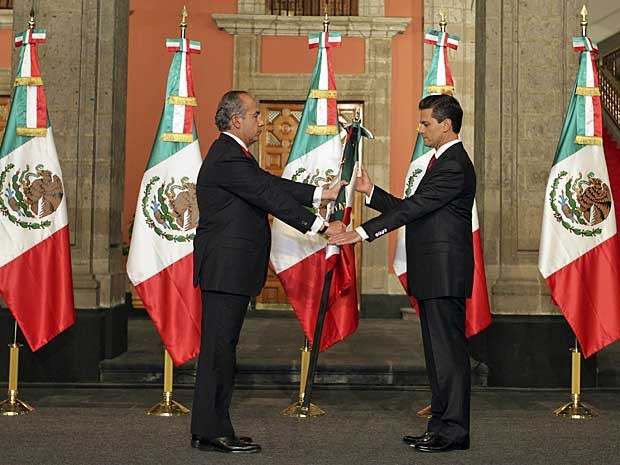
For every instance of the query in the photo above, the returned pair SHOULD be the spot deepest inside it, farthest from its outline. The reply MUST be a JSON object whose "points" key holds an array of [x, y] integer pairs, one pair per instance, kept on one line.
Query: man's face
{"points": [[433, 132], [249, 125]]}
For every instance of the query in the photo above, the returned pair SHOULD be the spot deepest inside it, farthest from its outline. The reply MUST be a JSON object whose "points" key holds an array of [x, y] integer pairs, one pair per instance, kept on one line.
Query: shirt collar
{"points": [[445, 147], [239, 141]]}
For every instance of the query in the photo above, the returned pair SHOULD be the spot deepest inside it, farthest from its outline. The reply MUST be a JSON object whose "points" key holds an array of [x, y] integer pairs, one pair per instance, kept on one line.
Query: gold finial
{"points": [[31, 21], [584, 20], [183, 21], [442, 21], [326, 19]]}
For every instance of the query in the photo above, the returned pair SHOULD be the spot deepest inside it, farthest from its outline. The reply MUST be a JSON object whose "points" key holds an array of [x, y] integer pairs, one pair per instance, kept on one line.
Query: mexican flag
{"points": [[579, 256], [301, 261], [35, 257], [160, 263], [439, 81]]}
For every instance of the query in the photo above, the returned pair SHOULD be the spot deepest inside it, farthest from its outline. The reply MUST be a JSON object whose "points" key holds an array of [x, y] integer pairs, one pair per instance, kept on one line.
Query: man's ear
{"points": [[234, 121], [447, 124]]}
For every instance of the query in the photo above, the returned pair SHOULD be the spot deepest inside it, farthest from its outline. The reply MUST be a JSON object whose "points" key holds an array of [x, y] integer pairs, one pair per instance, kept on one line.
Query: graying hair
{"points": [[229, 105]]}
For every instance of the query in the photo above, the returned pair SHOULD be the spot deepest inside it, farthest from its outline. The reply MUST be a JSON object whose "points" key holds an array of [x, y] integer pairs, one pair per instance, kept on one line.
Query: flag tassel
{"points": [[575, 409], [168, 407], [295, 409], [13, 406]]}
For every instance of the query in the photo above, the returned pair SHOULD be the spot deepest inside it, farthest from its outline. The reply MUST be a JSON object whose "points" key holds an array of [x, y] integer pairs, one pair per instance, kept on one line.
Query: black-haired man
{"points": [[440, 265]]}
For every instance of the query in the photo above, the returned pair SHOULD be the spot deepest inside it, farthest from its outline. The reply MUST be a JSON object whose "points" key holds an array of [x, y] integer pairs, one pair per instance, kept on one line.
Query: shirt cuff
{"points": [[369, 197], [361, 232], [317, 225], [316, 198]]}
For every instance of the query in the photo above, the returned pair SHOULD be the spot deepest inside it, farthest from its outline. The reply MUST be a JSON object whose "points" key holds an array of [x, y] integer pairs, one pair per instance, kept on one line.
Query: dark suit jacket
{"points": [[233, 239], [438, 235]]}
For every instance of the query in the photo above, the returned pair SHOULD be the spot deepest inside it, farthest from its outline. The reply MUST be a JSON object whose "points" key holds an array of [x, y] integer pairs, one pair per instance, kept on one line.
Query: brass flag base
{"points": [[13, 406], [424, 412], [576, 410], [168, 408], [298, 411]]}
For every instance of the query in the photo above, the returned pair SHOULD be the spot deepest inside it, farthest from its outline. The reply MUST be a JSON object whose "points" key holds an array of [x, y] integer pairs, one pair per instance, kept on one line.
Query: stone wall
{"points": [[84, 66]]}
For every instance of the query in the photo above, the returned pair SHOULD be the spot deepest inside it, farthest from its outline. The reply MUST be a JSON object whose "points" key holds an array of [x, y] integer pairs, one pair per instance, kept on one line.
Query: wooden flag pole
{"points": [[13, 406]]}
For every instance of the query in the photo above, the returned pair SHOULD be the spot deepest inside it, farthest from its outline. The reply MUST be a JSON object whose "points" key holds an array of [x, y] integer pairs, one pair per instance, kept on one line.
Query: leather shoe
{"points": [[440, 444], [241, 444], [413, 440]]}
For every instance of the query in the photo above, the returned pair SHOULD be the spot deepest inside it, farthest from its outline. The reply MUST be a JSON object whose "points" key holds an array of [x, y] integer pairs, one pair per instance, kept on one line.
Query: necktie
{"points": [[247, 153], [431, 162]]}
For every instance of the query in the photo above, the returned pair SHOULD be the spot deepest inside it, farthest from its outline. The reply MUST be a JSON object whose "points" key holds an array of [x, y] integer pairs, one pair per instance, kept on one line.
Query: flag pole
{"points": [[295, 409], [13, 406], [168, 407], [575, 409]]}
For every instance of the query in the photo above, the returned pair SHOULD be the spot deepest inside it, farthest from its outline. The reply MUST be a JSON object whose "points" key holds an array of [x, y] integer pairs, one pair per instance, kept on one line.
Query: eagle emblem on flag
{"points": [[171, 209], [29, 195], [580, 203]]}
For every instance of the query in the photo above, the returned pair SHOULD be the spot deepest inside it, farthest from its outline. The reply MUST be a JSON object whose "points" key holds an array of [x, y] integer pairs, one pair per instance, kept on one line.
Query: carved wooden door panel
{"points": [[5, 102], [281, 123]]}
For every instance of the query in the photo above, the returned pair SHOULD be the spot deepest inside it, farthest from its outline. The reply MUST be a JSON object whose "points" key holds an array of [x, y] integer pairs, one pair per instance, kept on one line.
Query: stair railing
{"points": [[609, 84]]}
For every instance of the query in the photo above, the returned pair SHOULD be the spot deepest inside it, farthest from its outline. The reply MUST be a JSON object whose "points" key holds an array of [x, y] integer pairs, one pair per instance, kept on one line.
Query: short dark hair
{"points": [[230, 105], [444, 107]]}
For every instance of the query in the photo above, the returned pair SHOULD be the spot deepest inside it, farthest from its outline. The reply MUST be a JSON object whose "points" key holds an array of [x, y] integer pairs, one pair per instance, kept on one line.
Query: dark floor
{"points": [[362, 427]]}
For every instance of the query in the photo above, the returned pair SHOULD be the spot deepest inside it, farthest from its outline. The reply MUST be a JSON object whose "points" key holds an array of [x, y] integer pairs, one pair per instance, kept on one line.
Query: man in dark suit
{"points": [[440, 265], [231, 254]]}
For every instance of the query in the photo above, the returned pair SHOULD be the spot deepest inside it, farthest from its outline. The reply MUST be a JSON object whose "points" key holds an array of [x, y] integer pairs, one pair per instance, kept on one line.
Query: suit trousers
{"points": [[222, 319], [447, 365]]}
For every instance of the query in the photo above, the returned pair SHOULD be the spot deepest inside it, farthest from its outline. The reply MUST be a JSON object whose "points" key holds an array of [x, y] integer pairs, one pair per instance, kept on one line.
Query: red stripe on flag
{"points": [[587, 292], [38, 289], [303, 284], [175, 306], [477, 307], [478, 310], [41, 108]]}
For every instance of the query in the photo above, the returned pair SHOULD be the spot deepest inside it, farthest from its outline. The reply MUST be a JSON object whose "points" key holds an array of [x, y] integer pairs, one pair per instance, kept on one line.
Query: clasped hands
{"points": [[338, 235]]}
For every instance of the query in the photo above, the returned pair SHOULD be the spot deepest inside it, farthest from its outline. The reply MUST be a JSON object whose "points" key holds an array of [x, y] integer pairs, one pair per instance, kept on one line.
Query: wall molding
{"points": [[6, 19], [274, 25]]}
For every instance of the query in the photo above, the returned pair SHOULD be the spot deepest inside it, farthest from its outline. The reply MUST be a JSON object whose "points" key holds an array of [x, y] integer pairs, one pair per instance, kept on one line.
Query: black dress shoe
{"points": [[228, 445], [440, 444], [197, 440], [413, 440]]}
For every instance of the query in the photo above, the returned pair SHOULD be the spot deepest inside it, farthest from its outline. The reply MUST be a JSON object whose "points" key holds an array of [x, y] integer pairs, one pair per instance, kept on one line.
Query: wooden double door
{"points": [[281, 123]]}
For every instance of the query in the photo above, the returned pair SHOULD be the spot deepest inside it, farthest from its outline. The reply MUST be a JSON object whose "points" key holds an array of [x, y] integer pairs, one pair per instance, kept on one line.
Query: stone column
{"points": [[525, 73], [84, 66]]}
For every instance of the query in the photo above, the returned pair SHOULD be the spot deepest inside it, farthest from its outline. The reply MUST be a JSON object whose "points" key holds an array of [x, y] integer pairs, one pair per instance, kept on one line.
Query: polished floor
{"points": [[78, 425]]}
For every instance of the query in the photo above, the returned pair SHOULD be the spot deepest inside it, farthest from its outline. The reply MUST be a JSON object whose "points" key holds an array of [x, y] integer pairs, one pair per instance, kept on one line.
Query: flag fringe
{"points": [[588, 140], [315, 130], [31, 132], [440, 89], [177, 137], [178, 100], [323, 93], [28, 81], [588, 91]]}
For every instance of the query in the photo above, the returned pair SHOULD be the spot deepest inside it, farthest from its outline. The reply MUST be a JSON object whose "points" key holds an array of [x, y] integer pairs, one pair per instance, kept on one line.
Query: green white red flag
{"points": [[439, 81], [579, 253], [160, 262], [301, 261], [35, 257]]}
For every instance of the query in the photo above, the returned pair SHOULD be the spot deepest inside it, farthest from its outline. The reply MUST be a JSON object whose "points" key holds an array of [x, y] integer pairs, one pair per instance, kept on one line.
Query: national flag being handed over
{"points": [[301, 261], [579, 254], [35, 257], [160, 263], [439, 81]]}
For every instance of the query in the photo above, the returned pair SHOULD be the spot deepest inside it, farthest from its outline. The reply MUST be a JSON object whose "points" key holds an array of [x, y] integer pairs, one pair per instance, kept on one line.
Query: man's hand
{"points": [[331, 193], [335, 227], [363, 183], [349, 237]]}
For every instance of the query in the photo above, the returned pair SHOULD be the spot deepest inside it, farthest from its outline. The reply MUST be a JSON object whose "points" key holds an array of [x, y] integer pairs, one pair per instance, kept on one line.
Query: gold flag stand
{"points": [[168, 407], [297, 409], [576, 409], [13, 406]]}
